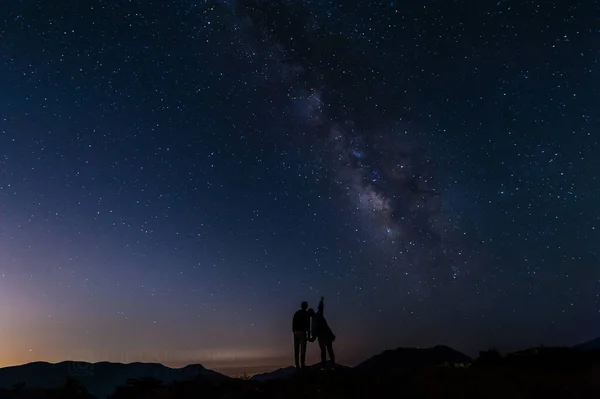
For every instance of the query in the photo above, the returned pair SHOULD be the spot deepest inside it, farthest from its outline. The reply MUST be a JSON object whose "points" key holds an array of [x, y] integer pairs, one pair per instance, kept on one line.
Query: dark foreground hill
{"points": [[289, 372], [537, 373], [410, 358], [593, 344], [388, 361]]}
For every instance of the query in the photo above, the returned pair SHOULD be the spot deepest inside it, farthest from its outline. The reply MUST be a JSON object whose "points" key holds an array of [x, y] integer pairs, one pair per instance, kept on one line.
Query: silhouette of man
{"points": [[324, 335], [301, 329]]}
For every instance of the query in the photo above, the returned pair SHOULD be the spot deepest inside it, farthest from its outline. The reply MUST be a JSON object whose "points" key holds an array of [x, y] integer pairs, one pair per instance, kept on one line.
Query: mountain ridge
{"points": [[592, 344], [102, 378], [411, 357]]}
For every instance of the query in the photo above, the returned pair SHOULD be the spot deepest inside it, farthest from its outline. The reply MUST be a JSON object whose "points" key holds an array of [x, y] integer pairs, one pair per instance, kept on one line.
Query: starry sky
{"points": [[177, 176]]}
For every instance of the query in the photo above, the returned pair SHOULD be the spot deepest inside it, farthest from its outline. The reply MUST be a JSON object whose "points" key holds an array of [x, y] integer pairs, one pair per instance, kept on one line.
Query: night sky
{"points": [[177, 176]]}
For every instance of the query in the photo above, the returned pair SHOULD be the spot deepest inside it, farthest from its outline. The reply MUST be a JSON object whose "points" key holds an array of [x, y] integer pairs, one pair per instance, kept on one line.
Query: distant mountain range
{"points": [[100, 379]]}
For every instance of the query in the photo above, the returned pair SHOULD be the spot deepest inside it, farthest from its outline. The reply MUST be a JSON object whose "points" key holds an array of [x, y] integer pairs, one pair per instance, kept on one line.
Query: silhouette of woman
{"points": [[322, 332]]}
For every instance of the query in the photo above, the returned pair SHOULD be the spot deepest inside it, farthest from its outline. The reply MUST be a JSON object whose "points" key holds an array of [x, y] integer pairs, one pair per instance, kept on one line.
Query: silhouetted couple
{"points": [[310, 326]]}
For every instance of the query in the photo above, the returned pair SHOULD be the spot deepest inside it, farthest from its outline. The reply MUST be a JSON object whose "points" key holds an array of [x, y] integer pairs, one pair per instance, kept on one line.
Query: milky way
{"points": [[378, 166]]}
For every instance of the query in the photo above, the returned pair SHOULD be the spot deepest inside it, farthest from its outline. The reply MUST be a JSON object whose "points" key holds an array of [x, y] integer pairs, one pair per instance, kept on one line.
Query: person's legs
{"points": [[331, 354], [303, 350], [296, 349], [323, 348]]}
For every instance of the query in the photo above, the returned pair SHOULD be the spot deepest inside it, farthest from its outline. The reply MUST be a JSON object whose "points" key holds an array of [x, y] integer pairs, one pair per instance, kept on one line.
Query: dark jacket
{"points": [[301, 321], [320, 328]]}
